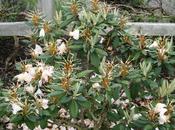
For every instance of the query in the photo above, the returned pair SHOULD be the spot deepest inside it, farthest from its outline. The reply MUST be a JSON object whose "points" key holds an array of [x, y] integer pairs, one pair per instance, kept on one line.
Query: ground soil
{"points": [[8, 51]]}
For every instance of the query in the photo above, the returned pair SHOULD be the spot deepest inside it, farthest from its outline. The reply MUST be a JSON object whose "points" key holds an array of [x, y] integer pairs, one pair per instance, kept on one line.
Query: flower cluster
{"points": [[41, 73]]}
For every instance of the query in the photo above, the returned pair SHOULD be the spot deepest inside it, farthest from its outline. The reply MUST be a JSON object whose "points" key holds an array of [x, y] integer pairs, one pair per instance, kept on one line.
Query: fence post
{"points": [[47, 7], [0, 4]]}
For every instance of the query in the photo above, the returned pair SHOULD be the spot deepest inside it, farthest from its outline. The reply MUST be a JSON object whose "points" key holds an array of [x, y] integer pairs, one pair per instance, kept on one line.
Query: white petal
{"points": [[62, 128], [136, 116], [87, 122], [59, 41], [102, 40], [70, 128], [30, 89], [96, 85], [42, 33], [45, 103], [38, 50], [24, 77], [154, 45], [39, 93], [10, 126], [159, 107], [25, 127], [62, 49], [163, 119], [38, 128], [47, 72], [75, 34], [16, 108]]}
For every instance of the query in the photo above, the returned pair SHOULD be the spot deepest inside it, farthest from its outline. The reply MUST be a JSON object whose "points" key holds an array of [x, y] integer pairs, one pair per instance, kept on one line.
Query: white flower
{"points": [[102, 40], [112, 100], [117, 102], [97, 86], [44, 103], [24, 127], [30, 89], [159, 107], [54, 127], [31, 71], [94, 75], [39, 93], [38, 128], [16, 108], [154, 45], [42, 33], [62, 110], [112, 124], [59, 41], [46, 73], [62, 128], [163, 118], [63, 113], [5, 119], [27, 77], [70, 128], [62, 48], [89, 123], [75, 34], [156, 128], [37, 51], [136, 116], [10, 126]]}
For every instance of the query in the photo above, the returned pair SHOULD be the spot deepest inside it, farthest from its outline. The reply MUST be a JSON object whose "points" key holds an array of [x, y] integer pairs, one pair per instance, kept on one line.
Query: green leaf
{"points": [[134, 90], [65, 99], [95, 59], [128, 93], [152, 84], [148, 127], [73, 108], [85, 104], [119, 127], [101, 52], [32, 118], [55, 93], [81, 98], [3, 105], [113, 116], [46, 113], [55, 87], [30, 124], [43, 123], [84, 73], [17, 119], [75, 47], [66, 22]]}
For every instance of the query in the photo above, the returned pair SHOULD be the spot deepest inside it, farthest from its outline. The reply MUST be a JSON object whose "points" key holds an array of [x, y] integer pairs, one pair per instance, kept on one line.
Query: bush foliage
{"points": [[87, 72]]}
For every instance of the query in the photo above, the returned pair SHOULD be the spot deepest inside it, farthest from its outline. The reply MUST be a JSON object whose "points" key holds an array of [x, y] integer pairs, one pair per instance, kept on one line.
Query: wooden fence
{"points": [[46, 6]]}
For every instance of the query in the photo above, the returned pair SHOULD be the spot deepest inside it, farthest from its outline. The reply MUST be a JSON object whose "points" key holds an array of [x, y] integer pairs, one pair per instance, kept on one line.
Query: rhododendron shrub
{"points": [[87, 72]]}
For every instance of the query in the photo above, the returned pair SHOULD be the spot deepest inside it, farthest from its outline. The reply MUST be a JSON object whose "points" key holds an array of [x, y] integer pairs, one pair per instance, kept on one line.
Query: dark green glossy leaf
{"points": [[73, 108], [84, 73]]}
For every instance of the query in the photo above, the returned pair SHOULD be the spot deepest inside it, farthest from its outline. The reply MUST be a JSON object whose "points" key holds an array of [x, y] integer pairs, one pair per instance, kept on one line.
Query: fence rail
{"points": [[136, 28]]}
